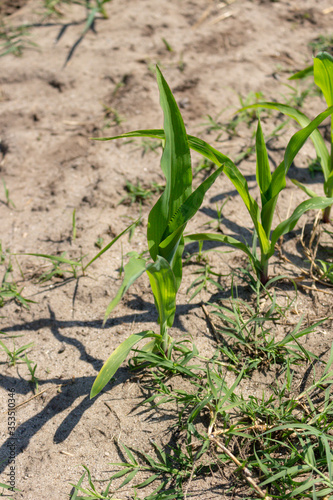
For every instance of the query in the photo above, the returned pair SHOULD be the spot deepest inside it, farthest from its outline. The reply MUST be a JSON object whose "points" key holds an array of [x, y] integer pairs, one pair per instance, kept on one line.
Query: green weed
{"points": [[16, 354], [111, 117], [138, 193], [252, 333], [74, 225], [206, 276], [322, 44], [61, 267], [32, 371], [9, 201], [14, 40], [9, 289]]}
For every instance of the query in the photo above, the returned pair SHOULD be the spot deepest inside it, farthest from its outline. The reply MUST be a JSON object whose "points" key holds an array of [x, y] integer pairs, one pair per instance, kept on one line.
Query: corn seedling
{"points": [[99, 242], [62, 267], [322, 71], [166, 224], [270, 185]]}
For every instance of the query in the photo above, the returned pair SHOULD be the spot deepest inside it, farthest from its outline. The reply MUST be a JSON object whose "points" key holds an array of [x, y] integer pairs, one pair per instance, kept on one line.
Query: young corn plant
{"points": [[322, 71], [166, 224], [270, 185]]}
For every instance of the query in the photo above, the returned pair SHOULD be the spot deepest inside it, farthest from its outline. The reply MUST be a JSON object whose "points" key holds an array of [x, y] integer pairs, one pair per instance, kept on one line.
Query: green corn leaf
{"points": [[176, 166], [298, 139], [303, 120], [238, 180], [163, 284], [132, 271], [323, 75], [191, 205], [289, 224], [114, 361], [267, 214], [306, 190], [168, 246], [177, 263], [185, 212], [304, 73], [263, 171], [109, 245], [222, 238]]}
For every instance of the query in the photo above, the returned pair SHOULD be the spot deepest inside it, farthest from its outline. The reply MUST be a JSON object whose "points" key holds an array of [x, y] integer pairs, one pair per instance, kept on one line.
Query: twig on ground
{"points": [[246, 472], [203, 16], [223, 16], [38, 394]]}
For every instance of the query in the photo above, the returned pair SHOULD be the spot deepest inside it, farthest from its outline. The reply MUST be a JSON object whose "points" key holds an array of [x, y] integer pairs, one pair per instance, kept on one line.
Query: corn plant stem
{"points": [[38, 394], [264, 271], [165, 338], [327, 211], [246, 472]]}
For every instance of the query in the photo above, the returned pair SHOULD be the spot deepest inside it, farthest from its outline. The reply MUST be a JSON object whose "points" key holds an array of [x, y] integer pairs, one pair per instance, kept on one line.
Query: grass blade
{"points": [[109, 245]]}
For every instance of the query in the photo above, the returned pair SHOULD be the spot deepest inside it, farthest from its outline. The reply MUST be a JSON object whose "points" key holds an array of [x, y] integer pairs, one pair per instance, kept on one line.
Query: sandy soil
{"points": [[50, 108]]}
